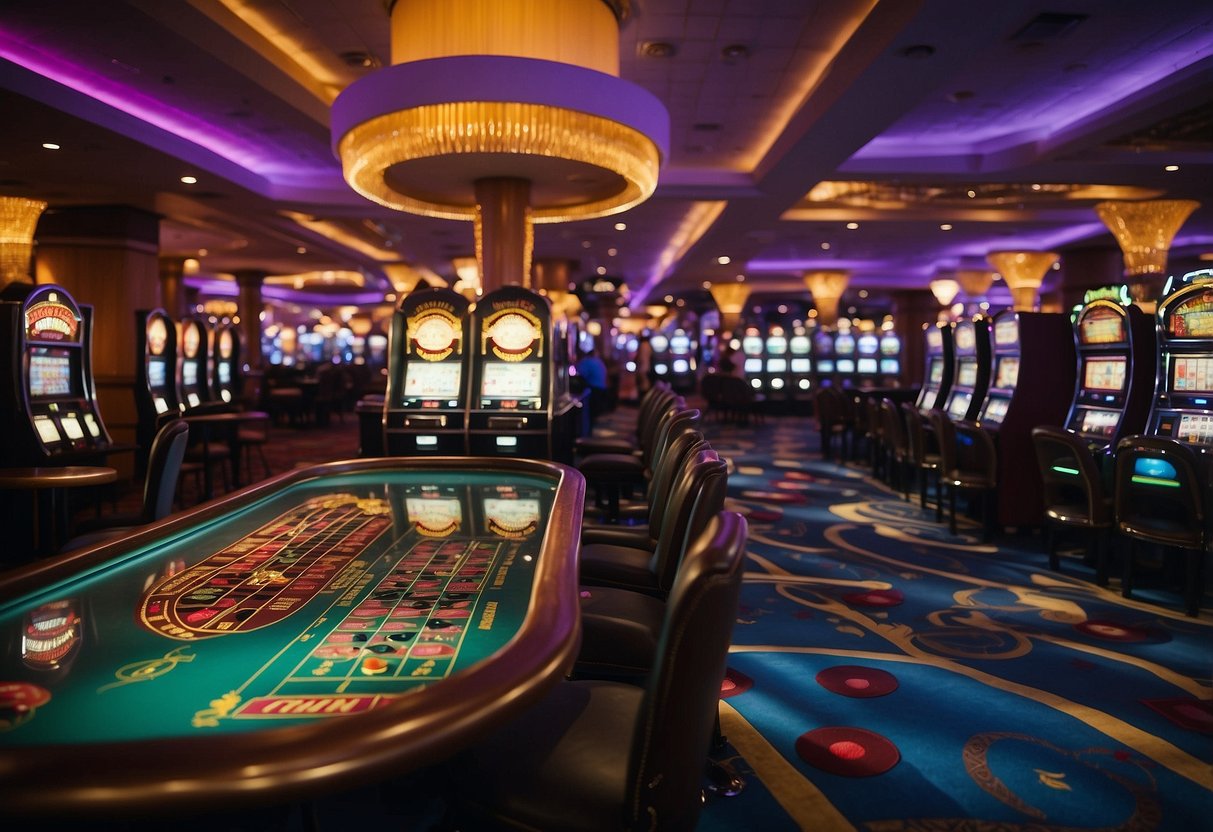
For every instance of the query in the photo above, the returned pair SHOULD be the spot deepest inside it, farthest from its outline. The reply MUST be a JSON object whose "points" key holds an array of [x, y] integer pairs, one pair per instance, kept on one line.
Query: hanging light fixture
{"points": [[18, 219], [944, 289], [1023, 272], [730, 300], [1144, 231], [827, 287]]}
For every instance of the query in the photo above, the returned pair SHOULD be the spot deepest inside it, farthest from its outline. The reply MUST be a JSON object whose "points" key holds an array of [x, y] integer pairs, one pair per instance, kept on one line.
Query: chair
{"points": [[1160, 498], [896, 446], [1073, 494], [829, 409], [923, 458], [968, 461], [251, 437], [739, 401], [655, 402], [605, 755], [159, 488]]}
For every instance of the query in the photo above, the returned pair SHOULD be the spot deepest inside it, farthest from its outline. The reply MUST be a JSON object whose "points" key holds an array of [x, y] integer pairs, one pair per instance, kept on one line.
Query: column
{"points": [[1089, 268], [912, 310], [249, 307], [172, 286], [504, 234]]}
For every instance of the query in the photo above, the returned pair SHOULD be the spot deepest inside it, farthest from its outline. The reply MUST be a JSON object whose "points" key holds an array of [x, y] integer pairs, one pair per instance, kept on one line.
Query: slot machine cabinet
{"points": [[1115, 343], [49, 404], [683, 365], [800, 365], [940, 365], [823, 357], [659, 359], [775, 366], [1183, 404], [194, 364], [971, 376], [155, 373], [225, 363], [890, 359], [753, 353], [426, 403], [1031, 380], [513, 407], [844, 357], [867, 359]]}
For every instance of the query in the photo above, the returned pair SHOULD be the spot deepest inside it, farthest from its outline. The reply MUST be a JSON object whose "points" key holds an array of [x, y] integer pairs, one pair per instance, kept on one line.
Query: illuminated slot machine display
{"points": [[753, 350], [193, 363], [50, 408], [937, 380], [426, 402], [1183, 405], [890, 358], [513, 407], [155, 372], [971, 350], [775, 367], [800, 364], [683, 365], [659, 361], [225, 363], [844, 356], [1116, 362], [867, 359], [823, 356], [1031, 381]]}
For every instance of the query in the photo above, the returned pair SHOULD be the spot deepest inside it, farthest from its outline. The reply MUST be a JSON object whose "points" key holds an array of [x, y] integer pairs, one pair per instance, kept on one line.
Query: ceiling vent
{"points": [[1046, 26]]}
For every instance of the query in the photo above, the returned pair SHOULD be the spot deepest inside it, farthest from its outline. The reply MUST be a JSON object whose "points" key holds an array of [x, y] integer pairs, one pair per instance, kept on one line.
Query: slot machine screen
{"points": [[966, 338], [1107, 374], [846, 365], [844, 345], [1102, 325], [1007, 373], [680, 344], [753, 365], [157, 374], [50, 373], [959, 405], [890, 366], [935, 375], [825, 366], [867, 366], [934, 339], [225, 372], [504, 380], [867, 345], [659, 343], [432, 380], [799, 345], [1193, 318], [777, 365], [890, 345], [996, 410], [823, 344], [1006, 331], [681, 366], [966, 374], [1192, 374], [46, 429], [751, 345], [1100, 422], [1197, 428], [801, 365], [189, 373], [777, 345]]}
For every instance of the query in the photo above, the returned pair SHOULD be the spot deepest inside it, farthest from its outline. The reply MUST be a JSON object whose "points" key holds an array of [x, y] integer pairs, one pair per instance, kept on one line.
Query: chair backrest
{"points": [[1069, 474], [698, 494], [675, 420], [945, 439], [676, 459], [674, 729], [1160, 492], [916, 434], [893, 429], [827, 407], [648, 434], [163, 468]]}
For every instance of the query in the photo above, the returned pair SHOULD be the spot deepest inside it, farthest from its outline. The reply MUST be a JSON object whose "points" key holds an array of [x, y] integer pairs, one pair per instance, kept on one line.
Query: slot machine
{"points": [[225, 363], [683, 366], [194, 363], [50, 414], [937, 380], [844, 356], [800, 365], [155, 373], [867, 359], [1115, 341], [823, 357], [426, 402], [513, 408], [659, 344], [775, 367], [1183, 403], [890, 358], [1037, 349], [971, 354], [753, 350]]}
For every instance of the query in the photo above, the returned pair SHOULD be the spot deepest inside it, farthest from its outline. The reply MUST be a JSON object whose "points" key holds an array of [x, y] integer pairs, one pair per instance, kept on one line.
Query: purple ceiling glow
{"points": [[257, 159]]}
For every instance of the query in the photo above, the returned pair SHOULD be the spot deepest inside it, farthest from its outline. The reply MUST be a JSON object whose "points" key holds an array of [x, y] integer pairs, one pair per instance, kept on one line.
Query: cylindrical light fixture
{"points": [[730, 300], [975, 283], [827, 287], [18, 219], [1144, 230], [1023, 272]]}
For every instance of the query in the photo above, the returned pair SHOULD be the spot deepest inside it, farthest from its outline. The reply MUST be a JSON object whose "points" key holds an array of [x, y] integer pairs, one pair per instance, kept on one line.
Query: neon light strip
{"points": [[1155, 481], [1063, 470]]}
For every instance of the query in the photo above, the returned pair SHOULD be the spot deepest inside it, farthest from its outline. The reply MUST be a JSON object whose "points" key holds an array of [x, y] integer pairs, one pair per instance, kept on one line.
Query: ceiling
{"points": [[918, 103]]}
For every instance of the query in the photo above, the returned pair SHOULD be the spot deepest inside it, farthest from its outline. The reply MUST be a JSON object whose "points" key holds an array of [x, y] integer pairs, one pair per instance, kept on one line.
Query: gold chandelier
{"points": [[18, 219], [1144, 230]]}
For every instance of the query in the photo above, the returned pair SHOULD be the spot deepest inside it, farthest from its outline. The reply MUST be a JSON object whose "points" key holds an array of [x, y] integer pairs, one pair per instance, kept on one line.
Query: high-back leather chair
{"points": [[924, 458], [896, 446], [1073, 493], [1160, 497], [604, 755], [968, 461], [829, 408]]}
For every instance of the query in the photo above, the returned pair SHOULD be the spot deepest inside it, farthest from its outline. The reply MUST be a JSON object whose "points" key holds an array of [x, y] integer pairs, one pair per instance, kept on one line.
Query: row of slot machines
{"points": [[789, 363], [674, 358], [186, 366], [1107, 372], [489, 379]]}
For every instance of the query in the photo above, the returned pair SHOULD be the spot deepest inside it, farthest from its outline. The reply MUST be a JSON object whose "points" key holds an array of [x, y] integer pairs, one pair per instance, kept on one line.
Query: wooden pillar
{"points": [[249, 306], [504, 235], [912, 309], [172, 286]]}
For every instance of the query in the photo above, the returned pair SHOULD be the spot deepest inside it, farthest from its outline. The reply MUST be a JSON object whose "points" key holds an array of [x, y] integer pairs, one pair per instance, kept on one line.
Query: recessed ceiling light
{"points": [[189, 180], [707, 284], [621, 226], [852, 226], [50, 145], [825, 246], [863, 293], [1168, 168], [301, 250], [586, 244], [601, 270], [656, 49], [947, 226], [669, 298], [724, 260], [611, 252], [972, 194]]}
